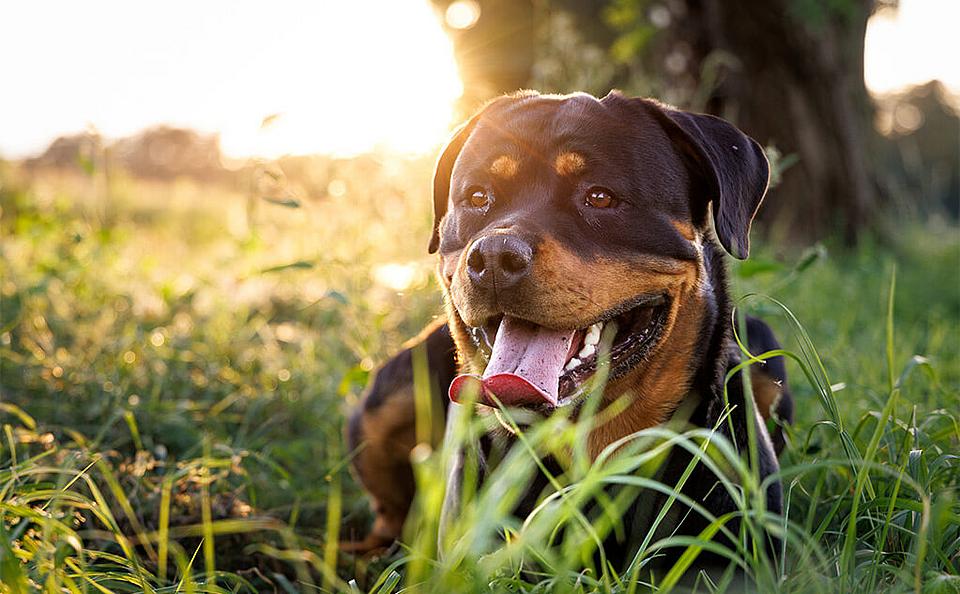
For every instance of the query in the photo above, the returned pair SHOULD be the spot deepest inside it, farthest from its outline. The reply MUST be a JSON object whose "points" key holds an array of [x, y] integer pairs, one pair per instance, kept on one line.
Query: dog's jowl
{"points": [[561, 220]]}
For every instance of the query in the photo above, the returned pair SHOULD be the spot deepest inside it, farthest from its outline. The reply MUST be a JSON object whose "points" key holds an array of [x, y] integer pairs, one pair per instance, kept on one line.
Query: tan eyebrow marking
{"points": [[504, 166], [569, 163], [685, 229]]}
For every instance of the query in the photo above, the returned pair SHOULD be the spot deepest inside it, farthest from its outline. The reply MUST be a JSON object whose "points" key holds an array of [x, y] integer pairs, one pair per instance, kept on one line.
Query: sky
{"points": [[345, 76], [915, 43]]}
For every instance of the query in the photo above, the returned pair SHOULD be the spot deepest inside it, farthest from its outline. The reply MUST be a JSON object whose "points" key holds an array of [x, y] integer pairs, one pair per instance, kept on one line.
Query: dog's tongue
{"points": [[524, 368]]}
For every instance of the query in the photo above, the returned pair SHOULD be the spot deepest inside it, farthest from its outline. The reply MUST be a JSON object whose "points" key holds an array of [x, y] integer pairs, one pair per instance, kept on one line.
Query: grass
{"points": [[176, 360]]}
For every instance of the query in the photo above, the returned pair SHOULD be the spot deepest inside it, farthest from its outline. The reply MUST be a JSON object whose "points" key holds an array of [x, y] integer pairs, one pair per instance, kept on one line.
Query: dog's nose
{"points": [[499, 261]]}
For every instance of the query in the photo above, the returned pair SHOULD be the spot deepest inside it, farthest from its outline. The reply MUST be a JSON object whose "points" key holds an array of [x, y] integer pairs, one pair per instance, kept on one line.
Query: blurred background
{"points": [[858, 97], [215, 215]]}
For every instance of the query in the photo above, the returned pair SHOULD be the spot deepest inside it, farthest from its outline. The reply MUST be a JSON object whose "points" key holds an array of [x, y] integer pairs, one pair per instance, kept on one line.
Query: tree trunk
{"points": [[797, 83], [495, 54], [788, 72]]}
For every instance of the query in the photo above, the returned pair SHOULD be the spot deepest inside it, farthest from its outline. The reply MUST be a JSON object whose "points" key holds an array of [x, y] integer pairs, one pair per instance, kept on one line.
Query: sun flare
{"points": [[912, 44], [341, 78], [387, 82]]}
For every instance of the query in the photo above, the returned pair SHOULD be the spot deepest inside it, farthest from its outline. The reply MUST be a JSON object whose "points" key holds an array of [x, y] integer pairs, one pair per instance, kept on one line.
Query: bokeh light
{"points": [[462, 14]]}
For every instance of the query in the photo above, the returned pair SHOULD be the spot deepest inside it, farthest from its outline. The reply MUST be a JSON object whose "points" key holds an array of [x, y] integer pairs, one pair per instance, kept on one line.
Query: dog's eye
{"points": [[600, 198], [478, 197]]}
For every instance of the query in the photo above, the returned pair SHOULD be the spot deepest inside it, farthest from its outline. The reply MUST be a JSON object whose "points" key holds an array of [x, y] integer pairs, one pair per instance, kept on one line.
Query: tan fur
{"points": [[568, 292], [766, 391], [569, 164], [504, 166], [571, 292], [685, 229], [389, 434], [655, 388]]}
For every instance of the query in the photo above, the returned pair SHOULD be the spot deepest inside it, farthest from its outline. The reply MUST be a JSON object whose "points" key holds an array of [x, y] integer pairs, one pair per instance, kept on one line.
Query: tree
{"points": [[788, 72], [495, 53], [795, 80]]}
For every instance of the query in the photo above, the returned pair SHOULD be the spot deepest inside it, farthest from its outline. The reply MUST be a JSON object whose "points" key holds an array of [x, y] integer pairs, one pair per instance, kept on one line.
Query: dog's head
{"points": [[561, 219]]}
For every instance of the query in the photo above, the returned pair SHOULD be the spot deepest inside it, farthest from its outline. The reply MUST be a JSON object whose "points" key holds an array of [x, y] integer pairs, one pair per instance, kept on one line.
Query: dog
{"points": [[561, 219]]}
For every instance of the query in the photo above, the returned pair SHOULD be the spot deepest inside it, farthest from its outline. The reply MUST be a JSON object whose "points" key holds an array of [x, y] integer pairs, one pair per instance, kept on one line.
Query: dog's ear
{"points": [[732, 169], [444, 169], [442, 173]]}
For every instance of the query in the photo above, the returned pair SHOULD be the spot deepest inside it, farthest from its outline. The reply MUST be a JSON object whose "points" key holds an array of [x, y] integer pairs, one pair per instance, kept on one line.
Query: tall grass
{"points": [[174, 368]]}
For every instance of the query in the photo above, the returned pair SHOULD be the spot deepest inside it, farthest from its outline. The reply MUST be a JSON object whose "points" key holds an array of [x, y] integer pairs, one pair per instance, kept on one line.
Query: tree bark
{"points": [[788, 72], [797, 83]]}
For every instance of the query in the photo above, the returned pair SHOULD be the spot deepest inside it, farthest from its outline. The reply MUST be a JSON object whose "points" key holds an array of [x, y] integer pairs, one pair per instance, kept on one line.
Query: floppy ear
{"points": [[732, 166], [444, 169], [441, 176]]}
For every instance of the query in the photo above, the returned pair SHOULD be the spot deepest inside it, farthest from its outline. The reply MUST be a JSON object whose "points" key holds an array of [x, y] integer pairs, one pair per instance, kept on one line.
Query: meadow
{"points": [[176, 360]]}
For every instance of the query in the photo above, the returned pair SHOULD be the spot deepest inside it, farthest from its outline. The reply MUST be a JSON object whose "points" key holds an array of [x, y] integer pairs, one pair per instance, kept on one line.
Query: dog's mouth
{"points": [[534, 366]]}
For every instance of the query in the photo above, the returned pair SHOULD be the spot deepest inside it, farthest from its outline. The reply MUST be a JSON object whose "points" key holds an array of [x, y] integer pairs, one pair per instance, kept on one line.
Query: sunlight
{"points": [[341, 78], [462, 14], [383, 79], [913, 44], [337, 77], [398, 277]]}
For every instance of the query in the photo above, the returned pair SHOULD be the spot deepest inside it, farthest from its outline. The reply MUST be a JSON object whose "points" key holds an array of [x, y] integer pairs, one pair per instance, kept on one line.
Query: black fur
{"points": [[760, 339], [398, 371], [668, 166]]}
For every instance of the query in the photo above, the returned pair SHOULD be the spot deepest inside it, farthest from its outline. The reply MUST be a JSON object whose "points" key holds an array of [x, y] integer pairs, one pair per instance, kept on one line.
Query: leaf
{"points": [[355, 378], [338, 297], [13, 409], [269, 120], [10, 567], [390, 583], [810, 256], [779, 163], [298, 265], [287, 202], [756, 266]]}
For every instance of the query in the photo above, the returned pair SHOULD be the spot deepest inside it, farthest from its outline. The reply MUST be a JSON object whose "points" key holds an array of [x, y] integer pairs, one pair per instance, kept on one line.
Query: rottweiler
{"points": [[561, 219]]}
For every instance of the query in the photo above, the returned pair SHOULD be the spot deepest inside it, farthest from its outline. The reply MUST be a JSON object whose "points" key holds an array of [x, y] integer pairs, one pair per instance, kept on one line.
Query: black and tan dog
{"points": [[561, 219]]}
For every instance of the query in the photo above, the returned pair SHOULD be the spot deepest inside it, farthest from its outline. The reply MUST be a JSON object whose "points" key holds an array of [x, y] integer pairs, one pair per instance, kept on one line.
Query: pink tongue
{"points": [[524, 368]]}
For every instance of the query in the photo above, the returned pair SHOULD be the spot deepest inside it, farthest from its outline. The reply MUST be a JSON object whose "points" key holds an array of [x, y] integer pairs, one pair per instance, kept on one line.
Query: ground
{"points": [[176, 360]]}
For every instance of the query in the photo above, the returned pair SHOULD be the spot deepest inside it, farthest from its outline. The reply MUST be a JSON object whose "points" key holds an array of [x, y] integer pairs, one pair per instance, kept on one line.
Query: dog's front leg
{"points": [[460, 453]]}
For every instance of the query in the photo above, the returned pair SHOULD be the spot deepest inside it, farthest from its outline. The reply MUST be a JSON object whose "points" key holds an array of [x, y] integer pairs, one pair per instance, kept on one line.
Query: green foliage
{"points": [[564, 61], [817, 13], [629, 18], [175, 365]]}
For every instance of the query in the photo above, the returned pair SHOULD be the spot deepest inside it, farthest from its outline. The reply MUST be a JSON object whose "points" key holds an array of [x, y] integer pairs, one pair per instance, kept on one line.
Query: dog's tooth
{"points": [[587, 350], [573, 364], [593, 334]]}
